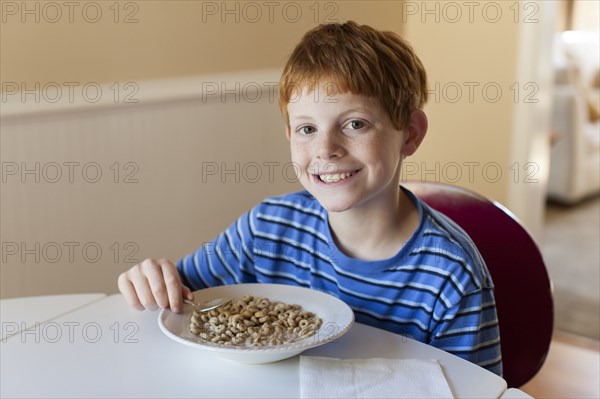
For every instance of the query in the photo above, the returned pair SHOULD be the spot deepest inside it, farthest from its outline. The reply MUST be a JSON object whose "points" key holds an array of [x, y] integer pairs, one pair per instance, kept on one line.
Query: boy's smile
{"points": [[346, 150]]}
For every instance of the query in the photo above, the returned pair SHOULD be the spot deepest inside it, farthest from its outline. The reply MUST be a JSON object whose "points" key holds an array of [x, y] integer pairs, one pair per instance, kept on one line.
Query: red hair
{"points": [[361, 60]]}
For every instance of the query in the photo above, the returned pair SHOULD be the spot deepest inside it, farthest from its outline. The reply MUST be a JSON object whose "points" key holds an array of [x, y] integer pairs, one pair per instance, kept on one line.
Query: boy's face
{"points": [[346, 149]]}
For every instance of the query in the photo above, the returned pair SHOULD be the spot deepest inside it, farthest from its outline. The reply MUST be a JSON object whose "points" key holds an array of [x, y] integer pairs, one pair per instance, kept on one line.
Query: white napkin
{"points": [[322, 377]]}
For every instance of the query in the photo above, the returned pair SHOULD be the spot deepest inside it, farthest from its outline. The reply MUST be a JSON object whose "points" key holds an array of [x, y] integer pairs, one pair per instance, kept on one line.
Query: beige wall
{"points": [[165, 38], [87, 194], [468, 127], [490, 79]]}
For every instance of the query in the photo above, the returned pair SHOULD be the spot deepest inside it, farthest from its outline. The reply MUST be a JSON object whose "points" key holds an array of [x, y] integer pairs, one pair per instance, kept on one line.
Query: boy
{"points": [[351, 98]]}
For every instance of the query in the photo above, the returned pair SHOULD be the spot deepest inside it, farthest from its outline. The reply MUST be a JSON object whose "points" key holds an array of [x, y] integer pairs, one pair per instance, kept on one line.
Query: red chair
{"points": [[522, 288]]}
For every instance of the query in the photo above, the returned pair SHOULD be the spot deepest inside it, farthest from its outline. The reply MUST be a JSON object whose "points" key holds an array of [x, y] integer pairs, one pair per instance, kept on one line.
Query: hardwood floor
{"points": [[572, 369], [569, 244]]}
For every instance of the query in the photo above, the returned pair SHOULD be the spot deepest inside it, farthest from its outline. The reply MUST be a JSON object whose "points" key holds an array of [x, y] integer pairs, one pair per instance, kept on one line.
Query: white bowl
{"points": [[336, 315]]}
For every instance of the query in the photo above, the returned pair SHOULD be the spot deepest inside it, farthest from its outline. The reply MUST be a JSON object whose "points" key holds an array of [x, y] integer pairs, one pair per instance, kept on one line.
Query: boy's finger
{"points": [[128, 291], [172, 285], [144, 292], [187, 293], [156, 281]]}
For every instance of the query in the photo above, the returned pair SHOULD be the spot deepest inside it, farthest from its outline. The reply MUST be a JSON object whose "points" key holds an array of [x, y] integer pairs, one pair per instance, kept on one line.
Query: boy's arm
{"points": [[158, 283], [469, 329], [228, 259]]}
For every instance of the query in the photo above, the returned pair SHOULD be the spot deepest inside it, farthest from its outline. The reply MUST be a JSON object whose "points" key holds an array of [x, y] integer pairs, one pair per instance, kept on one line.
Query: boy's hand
{"points": [[152, 284]]}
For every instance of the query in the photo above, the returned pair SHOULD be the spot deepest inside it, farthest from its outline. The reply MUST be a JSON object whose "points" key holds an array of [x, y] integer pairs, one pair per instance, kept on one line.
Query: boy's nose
{"points": [[329, 145]]}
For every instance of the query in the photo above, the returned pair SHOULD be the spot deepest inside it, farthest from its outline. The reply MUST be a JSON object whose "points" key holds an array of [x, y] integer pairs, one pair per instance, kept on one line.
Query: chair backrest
{"points": [[522, 288]]}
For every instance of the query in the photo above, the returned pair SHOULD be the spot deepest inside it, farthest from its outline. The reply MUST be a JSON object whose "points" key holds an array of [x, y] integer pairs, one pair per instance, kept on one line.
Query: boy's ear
{"points": [[415, 132]]}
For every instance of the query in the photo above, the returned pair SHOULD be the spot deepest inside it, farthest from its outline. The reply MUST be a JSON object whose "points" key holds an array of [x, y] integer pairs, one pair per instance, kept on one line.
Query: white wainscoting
{"points": [[89, 188]]}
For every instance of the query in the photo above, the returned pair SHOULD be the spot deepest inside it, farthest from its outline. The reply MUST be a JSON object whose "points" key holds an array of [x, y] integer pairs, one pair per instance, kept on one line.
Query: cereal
{"points": [[254, 321]]}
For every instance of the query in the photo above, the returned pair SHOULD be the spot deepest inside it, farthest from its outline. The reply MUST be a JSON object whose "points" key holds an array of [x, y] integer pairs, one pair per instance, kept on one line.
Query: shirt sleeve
{"points": [[469, 329], [228, 259]]}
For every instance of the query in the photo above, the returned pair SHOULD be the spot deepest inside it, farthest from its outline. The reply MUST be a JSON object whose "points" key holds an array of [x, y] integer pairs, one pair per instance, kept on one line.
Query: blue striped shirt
{"points": [[436, 290]]}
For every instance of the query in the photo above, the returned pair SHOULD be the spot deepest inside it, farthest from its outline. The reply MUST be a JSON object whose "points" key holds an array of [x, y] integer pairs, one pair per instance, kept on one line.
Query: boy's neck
{"points": [[378, 232]]}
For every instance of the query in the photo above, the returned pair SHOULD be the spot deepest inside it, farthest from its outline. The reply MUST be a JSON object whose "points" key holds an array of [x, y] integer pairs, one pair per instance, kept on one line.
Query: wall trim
{"points": [[59, 97]]}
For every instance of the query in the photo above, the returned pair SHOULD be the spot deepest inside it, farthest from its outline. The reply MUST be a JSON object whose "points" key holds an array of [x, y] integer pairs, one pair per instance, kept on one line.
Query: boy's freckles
{"points": [[346, 150]]}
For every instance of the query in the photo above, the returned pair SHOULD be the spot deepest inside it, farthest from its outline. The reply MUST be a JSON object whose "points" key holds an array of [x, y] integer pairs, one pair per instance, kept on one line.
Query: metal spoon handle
{"points": [[208, 305], [187, 301]]}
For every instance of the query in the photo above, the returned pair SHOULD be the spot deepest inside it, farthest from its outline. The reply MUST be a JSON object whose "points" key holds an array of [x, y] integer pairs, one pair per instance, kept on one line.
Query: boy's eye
{"points": [[307, 129], [356, 124]]}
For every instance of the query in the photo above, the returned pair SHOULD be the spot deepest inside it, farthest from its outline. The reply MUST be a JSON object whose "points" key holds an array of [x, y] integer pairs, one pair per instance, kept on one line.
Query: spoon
{"points": [[208, 305]]}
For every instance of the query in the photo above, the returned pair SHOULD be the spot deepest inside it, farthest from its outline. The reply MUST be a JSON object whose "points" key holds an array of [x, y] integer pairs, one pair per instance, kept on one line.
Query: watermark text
{"points": [[452, 12], [71, 332], [71, 92], [69, 252], [69, 172], [53, 12]]}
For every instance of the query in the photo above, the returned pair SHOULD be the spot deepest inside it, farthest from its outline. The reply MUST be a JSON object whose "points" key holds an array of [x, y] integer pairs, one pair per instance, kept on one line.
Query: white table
{"points": [[514, 393], [107, 349], [19, 314]]}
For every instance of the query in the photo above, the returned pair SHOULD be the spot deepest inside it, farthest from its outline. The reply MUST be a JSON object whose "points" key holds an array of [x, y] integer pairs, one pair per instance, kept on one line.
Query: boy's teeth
{"points": [[334, 177]]}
